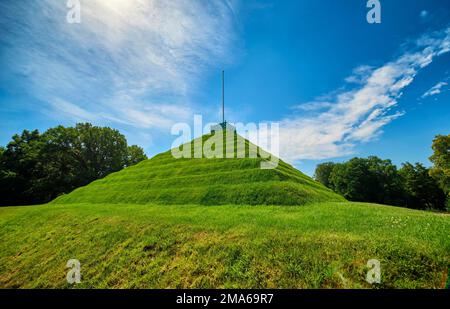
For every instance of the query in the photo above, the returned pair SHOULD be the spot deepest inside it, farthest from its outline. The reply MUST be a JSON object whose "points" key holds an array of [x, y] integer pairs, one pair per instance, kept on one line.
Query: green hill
{"points": [[325, 245], [121, 243], [239, 181]]}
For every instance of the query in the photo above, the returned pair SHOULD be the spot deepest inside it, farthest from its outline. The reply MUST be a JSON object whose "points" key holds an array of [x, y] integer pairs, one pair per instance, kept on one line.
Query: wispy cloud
{"points": [[335, 127], [313, 106], [436, 89], [132, 62], [72, 111], [360, 74]]}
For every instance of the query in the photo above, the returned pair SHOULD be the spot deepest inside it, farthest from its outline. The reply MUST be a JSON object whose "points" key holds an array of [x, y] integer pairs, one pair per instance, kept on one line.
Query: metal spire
{"points": [[223, 97]]}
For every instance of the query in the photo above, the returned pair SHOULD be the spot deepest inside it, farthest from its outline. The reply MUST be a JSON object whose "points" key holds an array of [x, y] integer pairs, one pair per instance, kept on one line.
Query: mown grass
{"points": [[324, 245], [133, 229], [202, 181]]}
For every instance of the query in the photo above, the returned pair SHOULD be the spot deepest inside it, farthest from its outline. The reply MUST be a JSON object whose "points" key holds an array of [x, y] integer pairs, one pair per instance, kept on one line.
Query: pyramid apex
{"points": [[224, 126]]}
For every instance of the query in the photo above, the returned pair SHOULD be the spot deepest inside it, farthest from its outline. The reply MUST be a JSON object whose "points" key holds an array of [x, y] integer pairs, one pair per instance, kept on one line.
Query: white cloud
{"points": [[360, 74], [313, 106], [358, 115], [72, 111], [132, 62], [424, 14], [436, 89]]}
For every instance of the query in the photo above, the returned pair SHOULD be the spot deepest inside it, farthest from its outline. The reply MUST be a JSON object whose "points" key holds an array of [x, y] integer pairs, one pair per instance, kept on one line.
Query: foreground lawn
{"points": [[144, 246]]}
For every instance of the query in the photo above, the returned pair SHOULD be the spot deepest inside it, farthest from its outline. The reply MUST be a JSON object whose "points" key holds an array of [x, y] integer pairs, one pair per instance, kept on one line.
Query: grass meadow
{"points": [[321, 245]]}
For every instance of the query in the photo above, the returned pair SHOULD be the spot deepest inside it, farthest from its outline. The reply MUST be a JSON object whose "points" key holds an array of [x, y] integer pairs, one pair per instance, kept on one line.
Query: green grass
{"points": [[325, 245], [133, 229], [239, 181]]}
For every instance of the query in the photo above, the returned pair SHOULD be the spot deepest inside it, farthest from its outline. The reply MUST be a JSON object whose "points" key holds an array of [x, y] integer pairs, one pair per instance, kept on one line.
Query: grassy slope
{"points": [[123, 244], [165, 180], [322, 245]]}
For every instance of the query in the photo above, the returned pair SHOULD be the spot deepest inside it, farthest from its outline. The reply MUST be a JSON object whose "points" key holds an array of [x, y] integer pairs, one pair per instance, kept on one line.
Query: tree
{"points": [[422, 191], [350, 179], [135, 155], [19, 168], [378, 181], [37, 168], [389, 190], [323, 172], [441, 160], [367, 180], [77, 156]]}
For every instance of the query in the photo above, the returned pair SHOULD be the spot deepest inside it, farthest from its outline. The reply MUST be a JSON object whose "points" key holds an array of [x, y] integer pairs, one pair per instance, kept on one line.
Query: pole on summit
{"points": [[223, 97]]}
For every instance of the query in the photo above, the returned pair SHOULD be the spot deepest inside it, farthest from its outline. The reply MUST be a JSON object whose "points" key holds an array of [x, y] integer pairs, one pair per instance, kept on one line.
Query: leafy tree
{"points": [[441, 159], [368, 180], [323, 172], [422, 191], [77, 156], [349, 179], [19, 168], [390, 189], [36, 168], [135, 155], [378, 181]]}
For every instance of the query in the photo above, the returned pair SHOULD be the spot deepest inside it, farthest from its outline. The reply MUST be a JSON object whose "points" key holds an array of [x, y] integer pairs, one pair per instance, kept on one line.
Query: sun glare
{"points": [[122, 6]]}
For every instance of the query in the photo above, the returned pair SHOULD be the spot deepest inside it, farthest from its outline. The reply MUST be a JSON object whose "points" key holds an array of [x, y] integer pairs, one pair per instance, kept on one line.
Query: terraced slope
{"points": [[166, 180]]}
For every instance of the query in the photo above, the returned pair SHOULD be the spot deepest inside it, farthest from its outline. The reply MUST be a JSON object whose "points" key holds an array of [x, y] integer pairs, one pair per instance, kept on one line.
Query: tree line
{"points": [[379, 181], [36, 168]]}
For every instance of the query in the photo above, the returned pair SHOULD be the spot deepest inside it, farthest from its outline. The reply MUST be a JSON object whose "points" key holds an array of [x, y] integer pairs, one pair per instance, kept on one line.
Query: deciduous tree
{"points": [[36, 168]]}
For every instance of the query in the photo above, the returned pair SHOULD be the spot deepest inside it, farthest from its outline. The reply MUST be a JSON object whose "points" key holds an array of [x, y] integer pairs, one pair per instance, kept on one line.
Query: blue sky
{"points": [[338, 86]]}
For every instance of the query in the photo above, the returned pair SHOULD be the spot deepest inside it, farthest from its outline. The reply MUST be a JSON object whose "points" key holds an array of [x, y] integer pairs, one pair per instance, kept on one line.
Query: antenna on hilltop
{"points": [[224, 126], [223, 97]]}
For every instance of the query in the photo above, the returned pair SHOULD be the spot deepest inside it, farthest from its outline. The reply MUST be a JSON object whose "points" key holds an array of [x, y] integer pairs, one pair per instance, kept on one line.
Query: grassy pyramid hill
{"points": [[204, 181], [121, 244]]}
